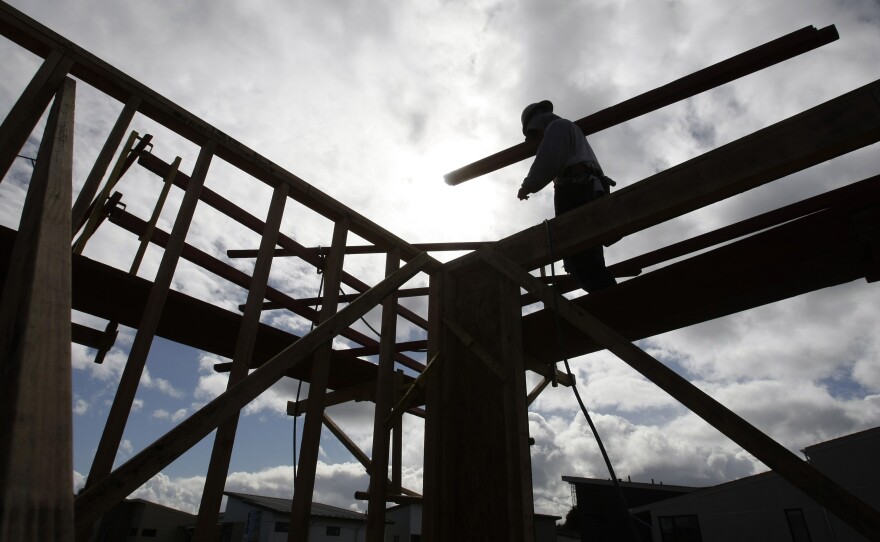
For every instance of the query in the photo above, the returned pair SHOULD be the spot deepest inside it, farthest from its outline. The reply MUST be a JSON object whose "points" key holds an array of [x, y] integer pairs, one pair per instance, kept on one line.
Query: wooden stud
{"points": [[304, 485], [801, 474], [384, 399], [94, 218], [482, 354], [36, 435], [221, 453], [93, 181], [397, 438], [98, 499], [24, 115], [140, 348]]}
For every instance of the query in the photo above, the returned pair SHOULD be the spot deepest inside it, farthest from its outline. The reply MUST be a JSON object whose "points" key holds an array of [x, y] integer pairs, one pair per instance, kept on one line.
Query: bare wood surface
{"points": [[836, 127], [95, 501], [482, 354], [218, 467], [304, 484], [802, 475], [215, 200], [24, 115], [102, 162], [365, 391], [140, 348], [30, 34], [36, 434], [384, 403], [751, 61], [536, 391]]}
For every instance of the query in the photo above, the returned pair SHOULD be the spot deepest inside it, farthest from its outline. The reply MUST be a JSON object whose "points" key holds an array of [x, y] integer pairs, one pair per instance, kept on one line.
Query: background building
{"points": [[765, 507], [254, 518]]}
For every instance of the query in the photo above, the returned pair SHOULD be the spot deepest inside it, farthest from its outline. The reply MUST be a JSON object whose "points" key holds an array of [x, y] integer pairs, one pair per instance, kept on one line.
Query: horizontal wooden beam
{"points": [[799, 473], [751, 61], [98, 499], [839, 126], [364, 249], [39, 39], [137, 226], [364, 391], [343, 298], [215, 200], [817, 251]]}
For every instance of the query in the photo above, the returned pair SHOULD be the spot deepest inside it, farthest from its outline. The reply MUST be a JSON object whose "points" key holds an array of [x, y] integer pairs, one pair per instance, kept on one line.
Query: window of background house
{"points": [[148, 533], [333, 531], [797, 524], [680, 529], [281, 526]]}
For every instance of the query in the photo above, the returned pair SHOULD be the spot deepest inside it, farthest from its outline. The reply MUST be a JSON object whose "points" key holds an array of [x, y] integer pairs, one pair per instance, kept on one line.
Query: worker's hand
{"points": [[523, 193]]}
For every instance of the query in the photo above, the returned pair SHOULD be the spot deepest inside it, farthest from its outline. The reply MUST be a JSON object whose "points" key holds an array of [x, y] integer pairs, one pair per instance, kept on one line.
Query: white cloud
{"points": [[80, 407], [383, 104]]}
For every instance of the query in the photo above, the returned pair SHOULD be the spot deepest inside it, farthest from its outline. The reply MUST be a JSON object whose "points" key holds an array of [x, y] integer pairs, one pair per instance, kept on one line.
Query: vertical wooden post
{"points": [[381, 434], [137, 357], [90, 186], [36, 437], [304, 484], [397, 441], [431, 503], [26, 112], [477, 442], [222, 452]]}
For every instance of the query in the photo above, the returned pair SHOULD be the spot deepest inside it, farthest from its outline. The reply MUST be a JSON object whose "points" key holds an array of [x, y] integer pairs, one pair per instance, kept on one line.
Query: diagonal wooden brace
{"points": [[825, 491], [95, 501], [408, 397]]}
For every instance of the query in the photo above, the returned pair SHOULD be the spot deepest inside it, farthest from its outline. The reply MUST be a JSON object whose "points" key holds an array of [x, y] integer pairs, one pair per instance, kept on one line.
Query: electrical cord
{"points": [[560, 341]]}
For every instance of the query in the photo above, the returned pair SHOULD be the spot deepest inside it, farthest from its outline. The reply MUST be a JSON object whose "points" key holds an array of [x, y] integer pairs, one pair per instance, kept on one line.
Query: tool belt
{"points": [[583, 173]]}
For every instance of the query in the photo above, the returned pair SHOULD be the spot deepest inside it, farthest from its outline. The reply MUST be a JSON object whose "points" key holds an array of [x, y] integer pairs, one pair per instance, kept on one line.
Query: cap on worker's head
{"points": [[545, 106]]}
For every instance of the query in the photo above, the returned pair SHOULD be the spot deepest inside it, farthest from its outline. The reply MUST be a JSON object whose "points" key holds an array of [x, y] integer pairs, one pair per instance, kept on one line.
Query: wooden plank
{"points": [[36, 435], [384, 404], [218, 468], [41, 40], [365, 391], [251, 222], [482, 354], [751, 61], [397, 437], [304, 485], [135, 225], [432, 506], [102, 162], [24, 115], [836, 127], [801, 474], [521, 510], [536, 391], [365, 249], [140, 348], [98, 499]]}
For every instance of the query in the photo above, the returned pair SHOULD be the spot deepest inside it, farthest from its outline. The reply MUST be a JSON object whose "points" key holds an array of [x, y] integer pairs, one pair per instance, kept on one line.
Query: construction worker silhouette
{"points": [[566, 158]]}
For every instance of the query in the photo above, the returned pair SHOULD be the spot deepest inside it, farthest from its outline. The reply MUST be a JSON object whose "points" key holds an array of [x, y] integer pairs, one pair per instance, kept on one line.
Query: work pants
{"points": [[587, 267]]}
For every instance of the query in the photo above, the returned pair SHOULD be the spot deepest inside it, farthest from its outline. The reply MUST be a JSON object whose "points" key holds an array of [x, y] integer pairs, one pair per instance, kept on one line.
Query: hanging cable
{"points": [[559, 343]]}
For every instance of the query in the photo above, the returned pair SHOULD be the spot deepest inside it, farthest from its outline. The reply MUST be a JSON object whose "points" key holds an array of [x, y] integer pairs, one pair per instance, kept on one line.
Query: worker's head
{"points": [[532, 122]]}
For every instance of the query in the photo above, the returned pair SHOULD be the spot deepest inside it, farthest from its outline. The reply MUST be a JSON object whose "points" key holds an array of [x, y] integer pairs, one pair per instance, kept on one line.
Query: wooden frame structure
{"points": [[472, 392]]}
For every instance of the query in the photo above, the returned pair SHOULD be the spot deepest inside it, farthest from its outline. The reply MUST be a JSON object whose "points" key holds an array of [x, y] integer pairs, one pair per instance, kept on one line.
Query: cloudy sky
{"points": [[372, 103]]}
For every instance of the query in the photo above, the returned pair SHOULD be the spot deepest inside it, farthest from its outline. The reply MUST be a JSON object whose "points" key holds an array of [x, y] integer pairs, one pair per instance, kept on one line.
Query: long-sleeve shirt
{"points": [[563, 145]]}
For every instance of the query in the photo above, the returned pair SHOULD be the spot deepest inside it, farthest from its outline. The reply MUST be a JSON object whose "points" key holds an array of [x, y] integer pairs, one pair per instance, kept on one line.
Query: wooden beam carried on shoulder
{"points": [[751, 61]]}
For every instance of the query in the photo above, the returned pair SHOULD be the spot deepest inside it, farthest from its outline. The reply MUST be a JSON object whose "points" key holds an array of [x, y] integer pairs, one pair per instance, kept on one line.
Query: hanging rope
{"points": [[560, 341]]}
